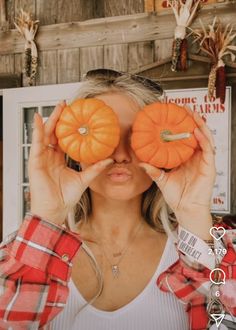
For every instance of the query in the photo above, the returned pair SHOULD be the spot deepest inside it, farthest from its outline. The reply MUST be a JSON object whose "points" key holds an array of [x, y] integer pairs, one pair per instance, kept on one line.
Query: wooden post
{"points": [[3, 16], [149, 6]]}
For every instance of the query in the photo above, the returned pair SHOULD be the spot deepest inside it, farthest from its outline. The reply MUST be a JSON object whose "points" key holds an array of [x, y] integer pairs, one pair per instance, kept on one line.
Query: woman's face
{"points": [[124, 179]]}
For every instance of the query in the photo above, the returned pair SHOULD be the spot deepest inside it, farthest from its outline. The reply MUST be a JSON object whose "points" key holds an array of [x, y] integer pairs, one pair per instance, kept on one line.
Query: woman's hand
{"points": [[188, 188], [54, 187]]}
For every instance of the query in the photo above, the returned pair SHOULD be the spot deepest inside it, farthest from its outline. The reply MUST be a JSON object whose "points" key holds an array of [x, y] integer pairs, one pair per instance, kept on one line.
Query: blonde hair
{"points": [[153, 207], [152, 201]]}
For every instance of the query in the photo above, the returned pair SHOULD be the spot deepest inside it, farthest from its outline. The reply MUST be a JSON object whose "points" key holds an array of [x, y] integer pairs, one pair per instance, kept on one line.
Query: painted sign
{"points": [[218, 119]]}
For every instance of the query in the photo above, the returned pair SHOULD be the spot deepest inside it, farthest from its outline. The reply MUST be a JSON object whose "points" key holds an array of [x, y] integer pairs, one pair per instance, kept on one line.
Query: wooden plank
{"points": [[19, 68], [7, 64], [3, 13], [75, 10], [10, 80], [122, 7], [153, 65], [47, 12], [90, 58], [68, 65], [98, 9], [10, 13], [47, 69], [149, 6], [163, 49], [140, 54], [108, 31], [116, 57], [26, 5]]}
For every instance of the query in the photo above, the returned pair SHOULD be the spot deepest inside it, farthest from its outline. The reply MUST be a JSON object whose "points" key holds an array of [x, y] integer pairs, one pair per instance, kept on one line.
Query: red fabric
{"points": [[34, 277]]}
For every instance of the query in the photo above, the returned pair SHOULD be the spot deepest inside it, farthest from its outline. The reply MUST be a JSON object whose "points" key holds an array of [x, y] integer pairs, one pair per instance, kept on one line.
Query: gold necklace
{"points": [[115, 266]]}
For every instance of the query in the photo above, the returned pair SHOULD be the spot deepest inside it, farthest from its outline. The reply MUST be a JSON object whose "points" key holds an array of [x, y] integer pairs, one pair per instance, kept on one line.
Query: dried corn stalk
{"points": [[28, 29], [184, 12], [216, 43]]}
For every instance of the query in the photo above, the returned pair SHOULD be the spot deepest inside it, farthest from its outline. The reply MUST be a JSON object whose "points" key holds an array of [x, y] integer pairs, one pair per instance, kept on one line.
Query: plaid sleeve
{"points": [[45, 246], [35, 266], [191, 285]]}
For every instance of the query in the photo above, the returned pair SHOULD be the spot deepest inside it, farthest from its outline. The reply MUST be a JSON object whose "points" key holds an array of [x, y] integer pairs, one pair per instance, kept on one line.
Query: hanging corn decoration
{"points": [[216, 43], [28, 29], [184, 12]]}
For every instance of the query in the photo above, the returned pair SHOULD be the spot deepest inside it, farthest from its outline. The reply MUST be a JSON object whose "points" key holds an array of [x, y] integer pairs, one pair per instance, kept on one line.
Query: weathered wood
{"points": [[10, 80], [3, 15], [68, 65], [122, 7], [140, 54], [27, 5], [75, 10], [163, 49], [19, 67], [47, 12], [151, 66], [116, 57], [207, 60], [113, 30], [149, 6], [91, 58], [7, 64], [98, 9], [10, 13], [47, 69]]}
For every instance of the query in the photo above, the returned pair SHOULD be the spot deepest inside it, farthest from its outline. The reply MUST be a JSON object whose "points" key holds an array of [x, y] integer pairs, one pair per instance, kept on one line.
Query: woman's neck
{"points": [[114, 221]]}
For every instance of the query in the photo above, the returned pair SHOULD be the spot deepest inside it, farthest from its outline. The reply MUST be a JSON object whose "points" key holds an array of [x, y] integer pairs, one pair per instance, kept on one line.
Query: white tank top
{"points": [[152, 309]]}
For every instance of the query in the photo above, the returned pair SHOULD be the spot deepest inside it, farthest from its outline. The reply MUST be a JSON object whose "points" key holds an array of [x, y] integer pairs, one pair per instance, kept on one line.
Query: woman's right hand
{"points": [[54, 187]]}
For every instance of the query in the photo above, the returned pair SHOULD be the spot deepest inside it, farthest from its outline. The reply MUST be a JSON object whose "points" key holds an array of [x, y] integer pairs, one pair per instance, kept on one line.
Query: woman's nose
{"points": [[122, 153]]}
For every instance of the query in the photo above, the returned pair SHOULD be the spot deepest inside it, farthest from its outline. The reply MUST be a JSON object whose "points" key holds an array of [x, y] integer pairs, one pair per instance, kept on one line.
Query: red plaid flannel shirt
{"points": [[35, 267]]}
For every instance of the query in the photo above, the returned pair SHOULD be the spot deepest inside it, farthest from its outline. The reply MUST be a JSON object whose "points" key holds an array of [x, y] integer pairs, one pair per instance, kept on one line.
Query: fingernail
{"points": [[107, 161]]}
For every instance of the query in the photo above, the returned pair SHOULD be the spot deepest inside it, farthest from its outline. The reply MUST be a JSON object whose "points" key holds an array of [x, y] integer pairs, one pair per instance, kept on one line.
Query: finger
{"points": [[188, 109], [207, 151], [157, 175], [201, 124], [94, 170], [204, 128], [37, 145], [49, 126]]}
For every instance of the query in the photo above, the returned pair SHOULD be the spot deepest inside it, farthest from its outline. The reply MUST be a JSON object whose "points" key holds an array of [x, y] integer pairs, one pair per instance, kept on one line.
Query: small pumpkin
{"points": [[162, 135], [88, 130]]}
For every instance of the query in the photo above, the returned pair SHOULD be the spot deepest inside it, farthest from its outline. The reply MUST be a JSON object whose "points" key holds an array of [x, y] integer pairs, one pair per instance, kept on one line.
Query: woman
{"points": [[124, 250]]}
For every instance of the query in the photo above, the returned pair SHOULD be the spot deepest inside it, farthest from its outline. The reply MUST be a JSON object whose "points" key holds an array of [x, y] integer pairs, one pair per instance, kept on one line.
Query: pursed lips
{"points": [[119, 174]]}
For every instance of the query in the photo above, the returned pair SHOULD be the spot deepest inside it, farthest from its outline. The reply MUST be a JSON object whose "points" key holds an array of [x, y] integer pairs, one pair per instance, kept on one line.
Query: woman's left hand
{"points": [[187, 189]]}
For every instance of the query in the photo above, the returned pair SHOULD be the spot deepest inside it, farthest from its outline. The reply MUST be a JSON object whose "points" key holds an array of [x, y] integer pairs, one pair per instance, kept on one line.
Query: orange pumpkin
{"points": [[162, 135], [88, 130]]}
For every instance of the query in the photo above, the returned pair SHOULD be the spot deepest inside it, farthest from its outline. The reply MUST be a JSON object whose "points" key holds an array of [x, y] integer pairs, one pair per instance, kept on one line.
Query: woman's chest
{"points": [[133, 274]]}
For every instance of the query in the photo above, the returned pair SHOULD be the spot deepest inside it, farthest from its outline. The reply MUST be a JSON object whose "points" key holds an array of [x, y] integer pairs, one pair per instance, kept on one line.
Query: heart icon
{"points": [[215, 232]]}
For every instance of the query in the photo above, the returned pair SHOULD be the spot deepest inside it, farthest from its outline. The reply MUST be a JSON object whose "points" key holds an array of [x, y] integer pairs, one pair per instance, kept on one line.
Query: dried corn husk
{"points": [[183, 55], [175, 53], [28, 29], [216, 43], [212, 81], [221, 83], [184, 13]]}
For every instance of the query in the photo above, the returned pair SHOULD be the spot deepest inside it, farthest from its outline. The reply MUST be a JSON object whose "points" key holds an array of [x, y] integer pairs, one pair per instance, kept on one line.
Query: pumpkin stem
{"points": [[167, 136], [83, 130]]}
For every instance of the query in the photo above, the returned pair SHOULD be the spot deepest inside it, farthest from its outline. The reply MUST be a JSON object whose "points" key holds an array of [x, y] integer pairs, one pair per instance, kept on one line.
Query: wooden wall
{"points": [[78, 35]]}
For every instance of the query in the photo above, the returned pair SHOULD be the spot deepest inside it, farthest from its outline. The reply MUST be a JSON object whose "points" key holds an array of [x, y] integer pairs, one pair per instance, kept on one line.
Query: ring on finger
{"points": [[51, 146], [160, 177]]}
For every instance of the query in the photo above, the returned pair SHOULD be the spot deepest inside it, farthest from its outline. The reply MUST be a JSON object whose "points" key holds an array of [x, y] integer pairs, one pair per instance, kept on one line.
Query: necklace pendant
{"points": [[115, 270]]}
